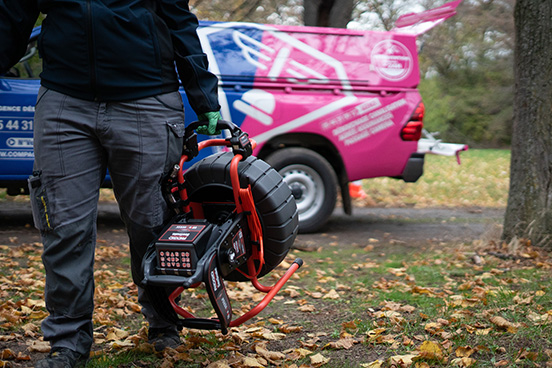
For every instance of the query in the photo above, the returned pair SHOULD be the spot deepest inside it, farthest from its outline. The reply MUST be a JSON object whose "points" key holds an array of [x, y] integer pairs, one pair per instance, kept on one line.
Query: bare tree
{"points": [[481, 32], [327, 13], [257, 11], [529, 210], [384, 12]]}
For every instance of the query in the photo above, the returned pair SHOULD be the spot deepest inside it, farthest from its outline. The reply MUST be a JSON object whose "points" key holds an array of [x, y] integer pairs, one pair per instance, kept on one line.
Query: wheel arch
{"points": [[320, 145]]}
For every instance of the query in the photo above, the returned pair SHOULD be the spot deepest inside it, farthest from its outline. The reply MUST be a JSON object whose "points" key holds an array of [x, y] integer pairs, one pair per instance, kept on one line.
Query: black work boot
{"points": [[162, 338], [62, 358]]}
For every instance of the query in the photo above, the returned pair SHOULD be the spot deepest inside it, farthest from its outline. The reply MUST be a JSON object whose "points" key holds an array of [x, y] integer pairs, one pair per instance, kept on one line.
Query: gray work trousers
{"points": [[75, 141]]}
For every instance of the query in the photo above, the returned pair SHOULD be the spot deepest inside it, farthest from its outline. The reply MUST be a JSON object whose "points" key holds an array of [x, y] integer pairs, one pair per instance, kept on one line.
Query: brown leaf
{"points": [[273, 336], [309, 344], [463, 362], [318, 360], [421, 365], [375, 364], [167, 363], [275, 321], [350, 324], [402, 360], [219, 364], [307, 308], [464, 351], [332, 294], [297, 354], [502, 363], [21, 357], [503, 324], [39, 346], [345, 343], [527, 355], [433, 328], [431, 350], [289, 329], [267, 354], [7, 354], [115, 334], [251, 362]]}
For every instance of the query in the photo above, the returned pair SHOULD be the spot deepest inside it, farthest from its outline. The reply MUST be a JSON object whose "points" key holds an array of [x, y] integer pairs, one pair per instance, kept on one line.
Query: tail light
{"points": [[412, 131]]}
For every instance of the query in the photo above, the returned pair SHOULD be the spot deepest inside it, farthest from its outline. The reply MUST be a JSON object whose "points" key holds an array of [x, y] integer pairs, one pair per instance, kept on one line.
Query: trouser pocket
{"points": [[40, 203], [175, 142]]}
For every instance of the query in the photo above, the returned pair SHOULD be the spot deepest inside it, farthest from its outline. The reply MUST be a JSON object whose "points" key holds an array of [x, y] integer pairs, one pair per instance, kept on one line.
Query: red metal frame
{"points": [[243, 199]]}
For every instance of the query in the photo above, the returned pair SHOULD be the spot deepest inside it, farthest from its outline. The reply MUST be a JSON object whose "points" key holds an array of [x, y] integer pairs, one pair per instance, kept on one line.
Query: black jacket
{"points": [[112, 50]]}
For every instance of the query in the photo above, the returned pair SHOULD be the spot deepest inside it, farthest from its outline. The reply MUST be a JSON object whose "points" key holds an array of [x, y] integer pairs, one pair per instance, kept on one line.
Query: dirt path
{"points": [[409, 226]]}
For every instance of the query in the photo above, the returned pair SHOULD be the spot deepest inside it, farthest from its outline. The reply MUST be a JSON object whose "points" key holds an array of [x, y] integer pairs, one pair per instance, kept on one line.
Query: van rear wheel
{"points": [[312, 181]]}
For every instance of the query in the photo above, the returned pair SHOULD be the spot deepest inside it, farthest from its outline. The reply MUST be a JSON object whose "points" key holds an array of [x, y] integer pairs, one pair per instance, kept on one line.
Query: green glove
{"points": [[211, 118]]}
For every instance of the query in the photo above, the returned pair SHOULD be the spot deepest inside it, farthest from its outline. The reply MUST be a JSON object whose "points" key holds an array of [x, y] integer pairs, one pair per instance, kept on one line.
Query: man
{"points": [[108, 100]]}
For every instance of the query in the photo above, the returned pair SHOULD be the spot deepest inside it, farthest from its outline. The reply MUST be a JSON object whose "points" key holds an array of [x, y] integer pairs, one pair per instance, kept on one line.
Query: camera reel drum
{"points": [[236, 220]]}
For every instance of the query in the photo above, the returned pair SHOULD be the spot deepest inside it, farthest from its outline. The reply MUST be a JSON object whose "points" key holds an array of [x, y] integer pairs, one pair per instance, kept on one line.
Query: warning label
{"points": [[182, 233]]}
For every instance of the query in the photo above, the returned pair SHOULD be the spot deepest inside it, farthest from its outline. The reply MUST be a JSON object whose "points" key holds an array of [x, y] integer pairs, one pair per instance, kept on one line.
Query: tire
{"points": [[312, 181], [209, 180]]}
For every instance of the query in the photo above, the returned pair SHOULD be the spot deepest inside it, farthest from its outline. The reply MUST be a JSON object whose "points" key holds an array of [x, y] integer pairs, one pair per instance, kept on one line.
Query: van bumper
{"points": [[414, 168]]}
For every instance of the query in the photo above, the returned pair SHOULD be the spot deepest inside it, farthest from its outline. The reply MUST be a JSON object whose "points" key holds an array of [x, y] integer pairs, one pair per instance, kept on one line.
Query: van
{"points": [[326, 106]]}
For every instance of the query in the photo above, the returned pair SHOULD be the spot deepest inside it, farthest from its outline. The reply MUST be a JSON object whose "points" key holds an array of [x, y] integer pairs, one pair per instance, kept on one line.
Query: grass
{"points": [[455, 311], [480, 181]]}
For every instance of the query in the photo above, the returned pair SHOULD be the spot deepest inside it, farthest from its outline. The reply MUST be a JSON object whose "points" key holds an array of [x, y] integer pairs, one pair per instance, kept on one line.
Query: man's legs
{"points": [[143, 139], [69, 167]]}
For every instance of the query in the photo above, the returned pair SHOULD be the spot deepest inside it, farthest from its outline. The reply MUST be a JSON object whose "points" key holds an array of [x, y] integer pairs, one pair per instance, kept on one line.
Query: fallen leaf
{"points": [[289, 329], [21, 357], [464, 351], [251, 362], [273, 336], [117, 345], [307, 308], [40, 347], [503, 324], [433, 328], [502, 363], [345, 343], [375, 364], [402, 360], [7, 354], [526, 355], [431, 350], [219, 364], [267, 354], [463, 362], [350, 325], [115, 334], [299, 353], [318, 360], [275, 321], [332, 294]]}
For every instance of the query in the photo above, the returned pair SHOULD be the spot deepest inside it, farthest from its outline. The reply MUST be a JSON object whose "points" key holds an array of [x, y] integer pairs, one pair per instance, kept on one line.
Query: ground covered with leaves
{"points": [[396, 290], [364, 304]]}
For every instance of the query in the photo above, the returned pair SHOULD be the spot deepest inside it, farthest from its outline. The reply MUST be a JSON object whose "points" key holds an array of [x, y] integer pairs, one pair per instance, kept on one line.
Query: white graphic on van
{"points": [[392, 60], [278, 57], [257, 104]]}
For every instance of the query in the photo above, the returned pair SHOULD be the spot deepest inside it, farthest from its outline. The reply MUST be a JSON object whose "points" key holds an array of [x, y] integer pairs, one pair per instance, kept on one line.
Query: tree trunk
{"points": [[529, 210], [327, 13]]}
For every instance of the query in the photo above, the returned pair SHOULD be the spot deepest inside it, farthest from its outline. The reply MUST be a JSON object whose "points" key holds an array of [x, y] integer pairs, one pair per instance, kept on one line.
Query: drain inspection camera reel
{"points": [[236, 221]]}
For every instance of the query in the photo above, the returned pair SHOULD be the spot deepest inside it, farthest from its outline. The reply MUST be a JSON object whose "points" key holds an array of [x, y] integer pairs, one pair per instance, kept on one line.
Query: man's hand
{"points": [[211, 118]]}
